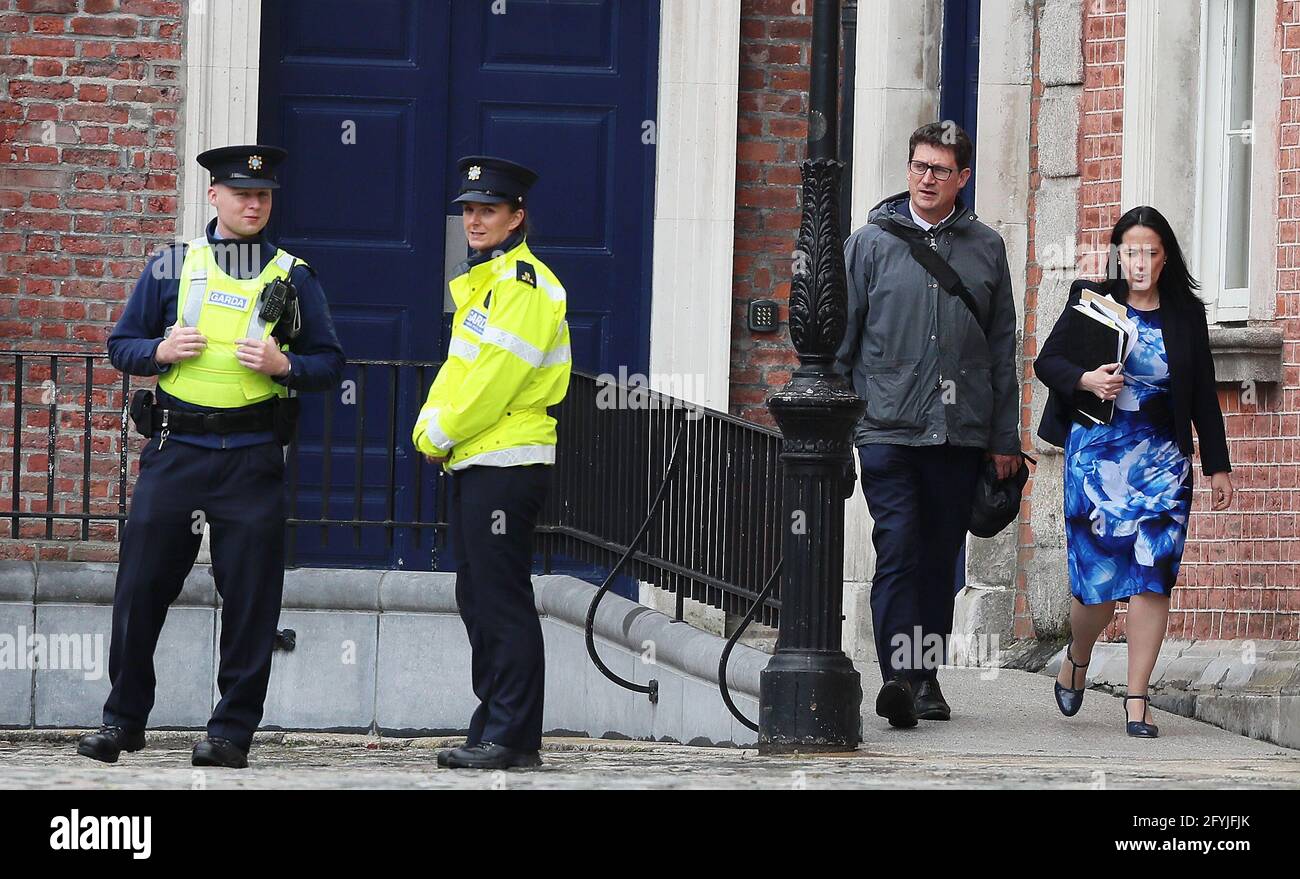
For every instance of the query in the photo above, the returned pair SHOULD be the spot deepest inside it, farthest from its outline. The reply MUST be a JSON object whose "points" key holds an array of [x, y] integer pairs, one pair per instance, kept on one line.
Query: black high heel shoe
{"points": [[1140, 729], [1068, 699]]}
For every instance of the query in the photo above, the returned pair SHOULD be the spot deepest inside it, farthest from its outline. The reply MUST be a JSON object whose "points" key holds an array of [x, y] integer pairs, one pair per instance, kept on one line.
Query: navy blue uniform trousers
{"points": [[240, 494], [920, 498], [493, 515]]}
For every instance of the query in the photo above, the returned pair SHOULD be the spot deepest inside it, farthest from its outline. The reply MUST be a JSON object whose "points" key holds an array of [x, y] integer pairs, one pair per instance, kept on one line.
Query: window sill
{"points": [[1251, 353]]}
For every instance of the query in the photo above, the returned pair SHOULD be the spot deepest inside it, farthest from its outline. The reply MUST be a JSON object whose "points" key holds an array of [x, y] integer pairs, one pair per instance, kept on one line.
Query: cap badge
{"points": [[255, 163], [475, 172]]}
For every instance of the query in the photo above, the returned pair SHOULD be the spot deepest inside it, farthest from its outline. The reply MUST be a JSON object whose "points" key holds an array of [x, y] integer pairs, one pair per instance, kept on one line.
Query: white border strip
{"points": [[695, 196]]}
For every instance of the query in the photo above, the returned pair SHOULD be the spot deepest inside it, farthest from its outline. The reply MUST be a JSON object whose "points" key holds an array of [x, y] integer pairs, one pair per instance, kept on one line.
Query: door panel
{"points": [[375, 101]]}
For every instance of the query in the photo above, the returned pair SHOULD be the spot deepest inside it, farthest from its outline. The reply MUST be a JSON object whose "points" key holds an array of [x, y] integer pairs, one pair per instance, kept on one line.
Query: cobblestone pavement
{"points": [[1005, 733], [340, 761]]}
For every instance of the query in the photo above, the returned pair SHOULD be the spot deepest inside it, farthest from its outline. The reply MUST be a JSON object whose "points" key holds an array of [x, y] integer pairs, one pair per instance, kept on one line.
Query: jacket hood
{"points": [[893, 207]]}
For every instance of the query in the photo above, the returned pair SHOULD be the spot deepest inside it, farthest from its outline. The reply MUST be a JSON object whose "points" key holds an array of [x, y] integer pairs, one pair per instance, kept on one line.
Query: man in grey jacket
{"points": [[942, 395]]}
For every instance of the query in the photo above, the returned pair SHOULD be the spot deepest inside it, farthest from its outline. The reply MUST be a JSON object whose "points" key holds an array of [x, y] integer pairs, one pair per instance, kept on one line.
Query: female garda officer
{"points": [[485, 420]]}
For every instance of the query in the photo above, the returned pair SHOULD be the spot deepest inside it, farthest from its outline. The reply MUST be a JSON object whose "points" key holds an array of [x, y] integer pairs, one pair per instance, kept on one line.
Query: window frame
{"points": [[1215, 132]]}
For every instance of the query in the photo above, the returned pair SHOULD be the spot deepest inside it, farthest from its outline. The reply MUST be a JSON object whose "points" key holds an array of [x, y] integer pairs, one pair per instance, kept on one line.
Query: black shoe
{"points": [[896, 702], [930, 704], [486, 755], [446, 752], [108, 742], [1140, 729], [1068, 699], [219, 752]]}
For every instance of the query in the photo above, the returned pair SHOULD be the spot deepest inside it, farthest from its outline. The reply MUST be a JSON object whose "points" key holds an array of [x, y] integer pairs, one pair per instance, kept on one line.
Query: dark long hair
{"points": [[1177, 286]]}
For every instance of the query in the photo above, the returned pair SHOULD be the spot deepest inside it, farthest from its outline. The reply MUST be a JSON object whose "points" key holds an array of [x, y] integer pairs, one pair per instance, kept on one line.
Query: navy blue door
{"points": [[567, 88], [960, 72], [375, 101]]}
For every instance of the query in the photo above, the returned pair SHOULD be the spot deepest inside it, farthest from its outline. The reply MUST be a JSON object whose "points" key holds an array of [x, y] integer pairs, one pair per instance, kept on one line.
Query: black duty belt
{"points": [[243, 421], [278, 415]]}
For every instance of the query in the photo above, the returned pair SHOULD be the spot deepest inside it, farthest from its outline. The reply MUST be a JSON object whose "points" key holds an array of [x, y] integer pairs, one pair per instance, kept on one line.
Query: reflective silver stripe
{"points": [[556, 356], [194, 294], [555, 291], [256, 326], [558, 353], [429, 420], [508, 457], [525, 351], [462, 348], [198, 287]]}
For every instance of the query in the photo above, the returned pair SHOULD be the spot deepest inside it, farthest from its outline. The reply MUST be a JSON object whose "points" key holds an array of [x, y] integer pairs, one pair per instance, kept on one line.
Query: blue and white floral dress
{"points": [[1128, 487]]}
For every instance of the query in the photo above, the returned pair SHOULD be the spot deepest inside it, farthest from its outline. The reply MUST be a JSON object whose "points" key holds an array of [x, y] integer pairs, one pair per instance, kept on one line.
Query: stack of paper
{"points": [[1101, 332]]}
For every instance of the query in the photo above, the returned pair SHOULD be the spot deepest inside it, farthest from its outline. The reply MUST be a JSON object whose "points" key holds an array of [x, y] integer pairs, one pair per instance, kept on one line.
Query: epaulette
{"points": [[525, 272]]}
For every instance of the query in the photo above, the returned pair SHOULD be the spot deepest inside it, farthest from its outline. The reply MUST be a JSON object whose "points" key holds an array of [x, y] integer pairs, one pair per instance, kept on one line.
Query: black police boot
{"points": [[896, 702], [486, 755], [930, 704], [108, 742], [219, 752]]}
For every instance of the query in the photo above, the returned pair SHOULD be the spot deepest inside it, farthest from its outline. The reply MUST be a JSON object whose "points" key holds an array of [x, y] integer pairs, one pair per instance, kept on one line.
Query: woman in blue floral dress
{"points": [[1128, 487], [1128, 484]]}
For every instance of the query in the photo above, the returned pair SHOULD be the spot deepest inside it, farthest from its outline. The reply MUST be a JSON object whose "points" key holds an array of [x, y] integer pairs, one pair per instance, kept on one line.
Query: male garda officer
{"points": [[228, 338], [486, 419]]}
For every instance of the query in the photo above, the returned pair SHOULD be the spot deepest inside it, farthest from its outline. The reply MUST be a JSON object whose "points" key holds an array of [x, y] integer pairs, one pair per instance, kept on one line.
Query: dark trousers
{"points": [[493, 515], [920, 498], [240, 494]]}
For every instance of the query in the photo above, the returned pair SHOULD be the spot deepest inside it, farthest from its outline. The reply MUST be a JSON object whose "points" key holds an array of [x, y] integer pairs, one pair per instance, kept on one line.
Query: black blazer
{"points": [[1191, 381]]}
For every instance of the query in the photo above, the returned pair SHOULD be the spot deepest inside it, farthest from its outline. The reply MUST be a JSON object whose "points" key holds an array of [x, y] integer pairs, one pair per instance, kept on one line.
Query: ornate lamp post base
{"points": [[810, 695], [811, 703]]}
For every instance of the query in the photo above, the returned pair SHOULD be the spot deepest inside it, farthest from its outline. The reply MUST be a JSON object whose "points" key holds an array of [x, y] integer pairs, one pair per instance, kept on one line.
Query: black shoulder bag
{"points": [[997, 501], [936, 265]]}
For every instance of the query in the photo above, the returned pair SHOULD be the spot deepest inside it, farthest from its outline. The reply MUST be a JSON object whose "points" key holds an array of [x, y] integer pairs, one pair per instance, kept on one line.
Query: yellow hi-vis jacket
{"points": [[224, 309], [508, 360]]}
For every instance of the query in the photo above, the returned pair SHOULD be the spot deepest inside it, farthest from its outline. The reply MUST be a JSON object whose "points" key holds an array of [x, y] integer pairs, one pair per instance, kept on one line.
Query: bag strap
{"points": [[936, 265]]}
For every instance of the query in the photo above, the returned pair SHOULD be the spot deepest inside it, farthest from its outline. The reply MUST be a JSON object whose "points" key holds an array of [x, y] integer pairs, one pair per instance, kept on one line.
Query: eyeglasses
{"points": [[918, 169]]}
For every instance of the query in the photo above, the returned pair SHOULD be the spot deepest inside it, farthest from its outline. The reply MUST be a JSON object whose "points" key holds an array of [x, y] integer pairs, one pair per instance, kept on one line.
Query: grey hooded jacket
{"points": [[915, 353]]}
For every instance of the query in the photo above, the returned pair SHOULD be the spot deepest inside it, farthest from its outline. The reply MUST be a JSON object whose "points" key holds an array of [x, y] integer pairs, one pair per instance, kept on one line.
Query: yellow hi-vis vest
{"points": [[223, 309], [508, 360]]}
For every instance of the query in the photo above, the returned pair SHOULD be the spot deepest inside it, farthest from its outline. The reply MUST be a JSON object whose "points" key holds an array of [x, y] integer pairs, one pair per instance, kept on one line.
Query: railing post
{"points": [[810, 697]]}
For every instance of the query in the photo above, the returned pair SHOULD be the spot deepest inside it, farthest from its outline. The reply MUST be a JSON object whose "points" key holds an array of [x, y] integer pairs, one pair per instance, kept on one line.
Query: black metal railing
{"points": [[43, 392], [715, 537]]}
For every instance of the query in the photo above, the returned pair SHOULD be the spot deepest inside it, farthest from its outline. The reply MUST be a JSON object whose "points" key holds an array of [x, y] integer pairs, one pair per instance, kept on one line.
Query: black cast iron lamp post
{"points": [[810, 696]]}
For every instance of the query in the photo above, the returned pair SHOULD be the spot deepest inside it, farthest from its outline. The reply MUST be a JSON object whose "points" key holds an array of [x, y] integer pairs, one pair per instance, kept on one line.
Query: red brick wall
{"points": [[1239, 577], [1241, 570], [1282, 524], [89, 104], [1101, 131], [770, 144], [1239, 574]]}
